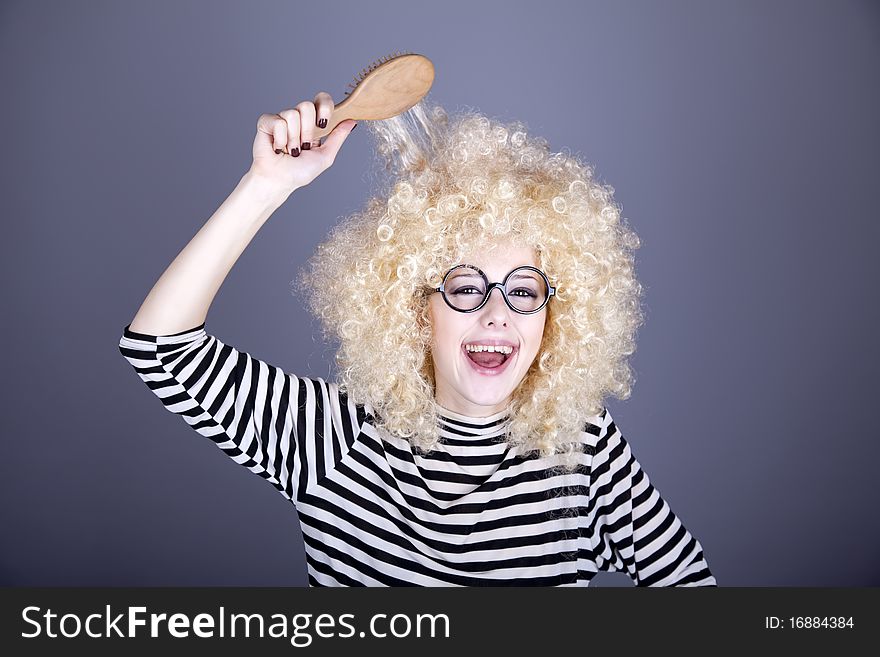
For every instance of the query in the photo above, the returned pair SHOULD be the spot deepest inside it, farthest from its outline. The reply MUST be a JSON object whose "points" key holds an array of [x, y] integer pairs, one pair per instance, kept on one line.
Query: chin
{"points": [[487, 396], [494, 400]]}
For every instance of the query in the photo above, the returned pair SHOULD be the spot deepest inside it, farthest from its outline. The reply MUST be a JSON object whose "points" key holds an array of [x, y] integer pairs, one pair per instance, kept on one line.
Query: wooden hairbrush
{"points": [[387, 87]]}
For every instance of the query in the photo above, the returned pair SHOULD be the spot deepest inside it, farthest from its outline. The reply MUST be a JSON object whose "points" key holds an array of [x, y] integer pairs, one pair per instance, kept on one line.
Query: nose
{"points": [[496, 304]]}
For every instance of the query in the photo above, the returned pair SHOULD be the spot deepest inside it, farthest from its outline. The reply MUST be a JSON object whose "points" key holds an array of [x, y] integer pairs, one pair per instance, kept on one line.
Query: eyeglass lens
{"points": [[466, 289]]}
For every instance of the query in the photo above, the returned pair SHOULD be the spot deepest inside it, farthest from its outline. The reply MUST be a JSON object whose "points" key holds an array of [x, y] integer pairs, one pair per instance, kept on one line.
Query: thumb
{"points": [[333, 142]]}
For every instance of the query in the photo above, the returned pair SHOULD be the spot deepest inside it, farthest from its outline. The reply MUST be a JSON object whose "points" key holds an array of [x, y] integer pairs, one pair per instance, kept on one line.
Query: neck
{"points": [[478, 414]]}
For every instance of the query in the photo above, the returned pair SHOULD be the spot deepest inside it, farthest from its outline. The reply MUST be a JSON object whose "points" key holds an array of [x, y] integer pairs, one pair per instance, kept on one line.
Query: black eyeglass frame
{"points": [[551, 291]]}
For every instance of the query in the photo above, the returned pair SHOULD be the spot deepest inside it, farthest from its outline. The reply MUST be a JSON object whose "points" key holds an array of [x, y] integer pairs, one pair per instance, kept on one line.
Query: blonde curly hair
{"points": [[456, 184]]}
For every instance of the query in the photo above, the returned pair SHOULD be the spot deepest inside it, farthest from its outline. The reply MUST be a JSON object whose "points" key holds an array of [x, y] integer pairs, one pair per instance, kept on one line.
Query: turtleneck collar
{"points": [[476, 423]]}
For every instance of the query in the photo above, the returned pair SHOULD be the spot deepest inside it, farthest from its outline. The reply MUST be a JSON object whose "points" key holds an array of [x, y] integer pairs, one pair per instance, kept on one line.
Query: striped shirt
{"points": [[376, 512]]}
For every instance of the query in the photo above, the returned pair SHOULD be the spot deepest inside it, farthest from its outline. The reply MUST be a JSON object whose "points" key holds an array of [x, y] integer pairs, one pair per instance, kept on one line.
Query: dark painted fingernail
{"points": [[295, 152], [277, 151], [322, 123], [306, 145]]}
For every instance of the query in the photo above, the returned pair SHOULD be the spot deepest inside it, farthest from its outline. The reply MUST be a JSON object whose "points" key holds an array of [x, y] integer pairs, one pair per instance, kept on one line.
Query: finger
{"points": [[279, 130], [323, 109], [306, 111], [292, 121], [271, 134], [333, 142]]}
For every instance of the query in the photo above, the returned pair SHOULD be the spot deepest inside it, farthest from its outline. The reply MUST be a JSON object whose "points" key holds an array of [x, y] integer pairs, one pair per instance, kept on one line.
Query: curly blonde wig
{"points": [[455, 185]]}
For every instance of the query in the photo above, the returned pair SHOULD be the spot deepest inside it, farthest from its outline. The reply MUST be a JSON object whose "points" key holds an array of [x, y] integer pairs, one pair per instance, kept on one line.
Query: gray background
{"points": [[741, 139]]}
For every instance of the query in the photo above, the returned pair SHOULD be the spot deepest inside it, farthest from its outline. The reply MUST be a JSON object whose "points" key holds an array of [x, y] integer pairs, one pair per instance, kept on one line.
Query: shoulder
{"points": [[594, 433], [343, 407]]}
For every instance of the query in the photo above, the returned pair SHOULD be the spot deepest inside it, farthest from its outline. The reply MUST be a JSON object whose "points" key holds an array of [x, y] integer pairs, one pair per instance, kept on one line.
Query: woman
{"points": [[466, 441]]}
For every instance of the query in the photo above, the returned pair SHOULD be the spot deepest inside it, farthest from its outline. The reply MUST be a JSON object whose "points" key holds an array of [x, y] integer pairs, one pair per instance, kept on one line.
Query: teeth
{"points": [[480, 347]]}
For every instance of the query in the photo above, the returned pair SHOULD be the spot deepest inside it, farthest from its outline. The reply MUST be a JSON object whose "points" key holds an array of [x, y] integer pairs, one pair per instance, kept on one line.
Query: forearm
{"points": [[181, 297]]}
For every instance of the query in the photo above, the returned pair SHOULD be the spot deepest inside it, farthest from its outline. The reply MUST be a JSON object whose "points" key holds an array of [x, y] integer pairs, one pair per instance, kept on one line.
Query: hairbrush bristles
{"points": [[376, 64]]}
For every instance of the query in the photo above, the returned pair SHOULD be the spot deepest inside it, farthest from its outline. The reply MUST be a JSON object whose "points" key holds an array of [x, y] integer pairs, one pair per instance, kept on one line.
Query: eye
{"points": [[527, 292], [469, 287]]}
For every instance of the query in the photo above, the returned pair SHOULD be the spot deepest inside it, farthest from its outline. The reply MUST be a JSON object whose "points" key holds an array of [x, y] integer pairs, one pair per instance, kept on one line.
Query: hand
{"points": [[286, 153]]}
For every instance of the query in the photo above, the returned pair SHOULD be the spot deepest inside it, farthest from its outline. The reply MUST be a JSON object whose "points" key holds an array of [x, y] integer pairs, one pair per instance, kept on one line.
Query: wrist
{"points": [[263, 190]]}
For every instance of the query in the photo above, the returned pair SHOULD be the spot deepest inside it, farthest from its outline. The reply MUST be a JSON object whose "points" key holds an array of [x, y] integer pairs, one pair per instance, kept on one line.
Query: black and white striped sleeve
{"points": [[255, 412], [634, 529]]}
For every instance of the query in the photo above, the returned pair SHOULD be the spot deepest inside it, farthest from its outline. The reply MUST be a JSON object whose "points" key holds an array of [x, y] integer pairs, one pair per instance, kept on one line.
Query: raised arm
{"points": [[285, 159], [266, 419]]}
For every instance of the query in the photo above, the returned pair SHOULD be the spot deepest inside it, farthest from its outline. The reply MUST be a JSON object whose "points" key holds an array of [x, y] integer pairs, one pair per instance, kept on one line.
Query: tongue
{"points": [[487, 358]]}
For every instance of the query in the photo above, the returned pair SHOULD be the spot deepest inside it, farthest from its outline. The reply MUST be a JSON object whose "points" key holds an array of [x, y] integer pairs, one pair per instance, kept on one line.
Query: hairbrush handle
{"points": [[384, 90]]}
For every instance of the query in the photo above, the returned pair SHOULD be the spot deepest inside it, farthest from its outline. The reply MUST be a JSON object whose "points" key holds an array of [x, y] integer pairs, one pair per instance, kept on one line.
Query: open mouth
{"points": [[489, 363]]}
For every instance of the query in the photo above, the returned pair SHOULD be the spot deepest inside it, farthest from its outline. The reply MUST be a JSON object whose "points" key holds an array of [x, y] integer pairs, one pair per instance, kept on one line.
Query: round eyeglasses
{"points": [[526, 289]]}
